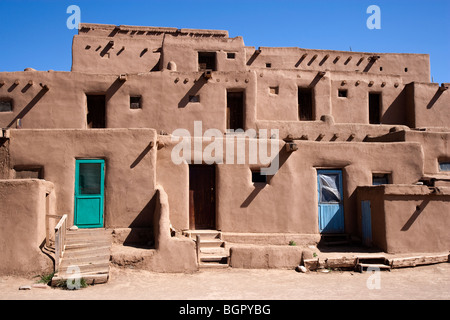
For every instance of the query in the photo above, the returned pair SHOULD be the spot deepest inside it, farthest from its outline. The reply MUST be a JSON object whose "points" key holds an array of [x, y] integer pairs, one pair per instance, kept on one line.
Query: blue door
{"points": [[331, 209], [89, 193], [366, 223]]}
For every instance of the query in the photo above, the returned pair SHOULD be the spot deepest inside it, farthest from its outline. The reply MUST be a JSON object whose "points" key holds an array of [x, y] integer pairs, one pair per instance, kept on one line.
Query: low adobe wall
{"points": [[23, 207], [265, 257], [408, 218]]}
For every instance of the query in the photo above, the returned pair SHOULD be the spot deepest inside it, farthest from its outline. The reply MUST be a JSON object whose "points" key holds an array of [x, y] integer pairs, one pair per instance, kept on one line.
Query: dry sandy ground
{"points": [[422, 283]]}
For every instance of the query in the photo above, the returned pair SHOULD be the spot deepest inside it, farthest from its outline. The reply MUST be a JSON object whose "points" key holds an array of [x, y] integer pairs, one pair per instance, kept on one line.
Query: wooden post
{"points": [[197, 241]]}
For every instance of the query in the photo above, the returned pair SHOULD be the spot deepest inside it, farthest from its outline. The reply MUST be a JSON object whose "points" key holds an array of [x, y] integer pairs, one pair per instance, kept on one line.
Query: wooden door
{"points": [[202, 207]]}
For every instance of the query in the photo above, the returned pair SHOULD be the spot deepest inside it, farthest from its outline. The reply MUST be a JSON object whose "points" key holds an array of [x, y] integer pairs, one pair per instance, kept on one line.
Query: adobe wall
{"points": [[288, 203], [23, 208], [429, 105], [408, 218], [130, 163]]}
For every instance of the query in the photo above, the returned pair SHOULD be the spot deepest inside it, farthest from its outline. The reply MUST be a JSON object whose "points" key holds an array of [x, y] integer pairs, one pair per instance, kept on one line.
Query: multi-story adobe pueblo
{"points": [[362, 150]]}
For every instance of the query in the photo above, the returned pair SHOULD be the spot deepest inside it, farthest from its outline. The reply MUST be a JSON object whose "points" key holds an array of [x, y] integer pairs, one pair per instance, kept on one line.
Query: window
{"points": [[5, 105], [135, 102], [444, 166], [305, 104], [96, 111], [268, 65], [273, 90], [235, 110], [257, 177], [381, 178], [28, 172], [231, 55], [342, 93], [206, 61], [194, 98], [374, 108]]}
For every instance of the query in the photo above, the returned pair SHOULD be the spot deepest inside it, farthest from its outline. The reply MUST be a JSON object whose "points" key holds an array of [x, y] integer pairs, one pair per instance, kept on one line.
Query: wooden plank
{"points": [[418, 260]]}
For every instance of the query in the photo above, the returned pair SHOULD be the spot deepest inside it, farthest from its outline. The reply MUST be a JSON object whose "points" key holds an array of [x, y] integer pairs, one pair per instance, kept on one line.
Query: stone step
{"points": [[99, 267], [94, 278]]}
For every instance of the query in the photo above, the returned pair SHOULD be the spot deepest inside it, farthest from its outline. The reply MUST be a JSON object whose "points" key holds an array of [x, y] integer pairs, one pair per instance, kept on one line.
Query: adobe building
{"points": [[362, 149]]}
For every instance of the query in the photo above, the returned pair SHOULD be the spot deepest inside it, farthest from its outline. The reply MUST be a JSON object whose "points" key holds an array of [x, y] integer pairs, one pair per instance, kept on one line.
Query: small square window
{"points": [[268, 65], [135, 102], [194, 98], [231, 55], [444, 166], [257, 177], [5, 105], [342, 93], [274, 90]]}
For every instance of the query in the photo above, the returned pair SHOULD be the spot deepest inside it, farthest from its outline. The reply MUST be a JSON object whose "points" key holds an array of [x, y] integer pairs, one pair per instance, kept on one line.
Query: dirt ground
{"points": [[420, 283]]}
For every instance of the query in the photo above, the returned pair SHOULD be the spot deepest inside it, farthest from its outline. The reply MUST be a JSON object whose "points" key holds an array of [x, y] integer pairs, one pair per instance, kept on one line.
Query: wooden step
{"points": [[213, 265], [363, 266], [90, 251], [84, 260]]}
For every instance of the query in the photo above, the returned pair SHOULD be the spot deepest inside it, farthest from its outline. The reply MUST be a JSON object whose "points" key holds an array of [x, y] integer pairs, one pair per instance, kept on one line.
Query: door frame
{"points": [[341, 228], [101, 195]]}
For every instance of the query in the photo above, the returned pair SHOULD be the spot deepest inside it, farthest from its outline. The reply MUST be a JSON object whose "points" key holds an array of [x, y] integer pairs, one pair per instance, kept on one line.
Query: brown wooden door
{"points": [[202, 208]]}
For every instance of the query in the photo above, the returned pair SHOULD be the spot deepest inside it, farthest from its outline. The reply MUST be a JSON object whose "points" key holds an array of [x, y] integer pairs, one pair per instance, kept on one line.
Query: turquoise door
{"points": [[89, 193], [331, 209]]}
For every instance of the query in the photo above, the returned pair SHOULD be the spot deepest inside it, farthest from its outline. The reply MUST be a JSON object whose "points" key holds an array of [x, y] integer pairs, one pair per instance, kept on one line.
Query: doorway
{"points": [[374, 108], [235, 110], [305, 104], [96, 111], [89, 193], [202, 197], [331, 209]]}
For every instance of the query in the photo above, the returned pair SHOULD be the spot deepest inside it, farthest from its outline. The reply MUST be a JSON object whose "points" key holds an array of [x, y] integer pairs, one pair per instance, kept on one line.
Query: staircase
{"points": [[211, 249], [380, 262], [87, 254]]}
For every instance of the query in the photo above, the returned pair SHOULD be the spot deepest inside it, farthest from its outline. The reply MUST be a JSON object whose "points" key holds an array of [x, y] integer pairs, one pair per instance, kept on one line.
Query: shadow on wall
{"points": [[395, 113], [141, 233], [415, 215], [434, 99], [28, 107], [281, 158], [198, 84]]}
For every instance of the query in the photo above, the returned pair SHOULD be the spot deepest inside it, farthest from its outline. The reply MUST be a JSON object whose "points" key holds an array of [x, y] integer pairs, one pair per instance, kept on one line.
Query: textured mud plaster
{"points": [[408, 218], [23, 207], [265, 257]]}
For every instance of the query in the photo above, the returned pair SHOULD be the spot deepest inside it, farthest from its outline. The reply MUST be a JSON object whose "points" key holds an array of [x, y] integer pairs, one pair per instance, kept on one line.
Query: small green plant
{"points": [[292, 243], [315, 255], [45, 278]]}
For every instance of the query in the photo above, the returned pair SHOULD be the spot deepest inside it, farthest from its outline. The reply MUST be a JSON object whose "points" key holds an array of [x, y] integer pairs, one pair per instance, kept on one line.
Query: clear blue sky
{"points": [[34, 33]]}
